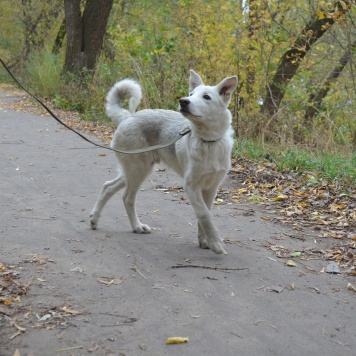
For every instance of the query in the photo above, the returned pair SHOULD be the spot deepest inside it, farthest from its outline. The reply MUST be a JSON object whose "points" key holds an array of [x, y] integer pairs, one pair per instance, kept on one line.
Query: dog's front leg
{"points": [[129, 199], [208, 196], [209, 234]]}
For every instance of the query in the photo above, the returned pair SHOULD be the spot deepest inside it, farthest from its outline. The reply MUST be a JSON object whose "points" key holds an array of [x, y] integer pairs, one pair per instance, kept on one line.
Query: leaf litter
{"points": [[304, 200], [12, 310]]}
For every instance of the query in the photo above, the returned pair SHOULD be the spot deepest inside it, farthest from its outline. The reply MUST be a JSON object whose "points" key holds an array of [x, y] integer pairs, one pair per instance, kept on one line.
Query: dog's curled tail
{"points": [[126, 88]]}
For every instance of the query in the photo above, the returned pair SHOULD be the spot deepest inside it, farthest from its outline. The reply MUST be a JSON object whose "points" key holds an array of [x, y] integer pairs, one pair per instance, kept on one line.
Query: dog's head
{"points": [[207, 106]]}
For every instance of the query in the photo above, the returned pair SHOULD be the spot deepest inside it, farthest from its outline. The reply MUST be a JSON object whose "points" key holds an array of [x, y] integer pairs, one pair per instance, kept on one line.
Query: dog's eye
{"points": [[207, 97], [190, 94]]}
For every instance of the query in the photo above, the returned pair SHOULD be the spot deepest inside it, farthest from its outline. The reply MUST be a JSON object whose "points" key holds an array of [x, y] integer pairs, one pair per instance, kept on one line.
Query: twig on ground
{"points": [[133, 267], [69, 348], [209, 267]]}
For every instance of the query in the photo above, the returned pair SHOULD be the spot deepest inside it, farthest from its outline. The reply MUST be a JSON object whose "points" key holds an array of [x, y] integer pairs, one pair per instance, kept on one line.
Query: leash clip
{"points": [[185, 131]]}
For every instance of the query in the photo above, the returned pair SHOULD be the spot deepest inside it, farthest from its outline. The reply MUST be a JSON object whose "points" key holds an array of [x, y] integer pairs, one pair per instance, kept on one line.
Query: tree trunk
{"points": [[60, 37], [290, 61], [85, 33], [315, 100], [253, 29]]}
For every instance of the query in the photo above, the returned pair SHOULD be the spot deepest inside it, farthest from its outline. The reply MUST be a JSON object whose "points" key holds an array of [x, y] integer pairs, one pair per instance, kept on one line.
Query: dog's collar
{"points": [[210, 141]]}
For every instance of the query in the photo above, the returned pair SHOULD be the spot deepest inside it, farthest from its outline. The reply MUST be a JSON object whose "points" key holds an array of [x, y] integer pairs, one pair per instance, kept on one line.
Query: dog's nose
{"points": [[184, 102]]}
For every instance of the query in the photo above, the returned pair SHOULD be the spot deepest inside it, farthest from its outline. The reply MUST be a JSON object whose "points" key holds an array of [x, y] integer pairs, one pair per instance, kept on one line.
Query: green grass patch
{"points": [[341, 165], [43, 73]]}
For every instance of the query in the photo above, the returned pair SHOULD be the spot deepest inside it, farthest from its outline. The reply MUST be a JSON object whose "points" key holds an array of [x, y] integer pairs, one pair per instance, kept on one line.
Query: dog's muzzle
{"points": [[184, 103]]}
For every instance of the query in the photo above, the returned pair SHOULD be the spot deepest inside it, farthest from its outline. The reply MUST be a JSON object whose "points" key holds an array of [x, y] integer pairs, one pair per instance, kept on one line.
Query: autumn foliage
{"points": [[285, 54]]}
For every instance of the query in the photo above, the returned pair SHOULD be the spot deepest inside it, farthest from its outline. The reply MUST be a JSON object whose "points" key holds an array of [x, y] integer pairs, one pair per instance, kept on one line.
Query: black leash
{"points": [[140, 150]]}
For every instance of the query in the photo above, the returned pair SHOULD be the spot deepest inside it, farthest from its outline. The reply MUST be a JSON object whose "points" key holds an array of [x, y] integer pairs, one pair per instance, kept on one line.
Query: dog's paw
{"points": [[142, 229], [93, 222], [217, 247], [203, 243]]}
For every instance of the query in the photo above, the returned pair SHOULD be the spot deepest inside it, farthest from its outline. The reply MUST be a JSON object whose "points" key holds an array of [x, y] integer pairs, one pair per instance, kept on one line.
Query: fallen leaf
{"points": [[295, 254], [274, 288], [332, 268], [176, 340], [18, 327], [14, 335], [109, 281], [316, 289], [351, 287], [70, 311], [45, 317], [280, 197], [130, 320], [94, 348], [291, 263]]}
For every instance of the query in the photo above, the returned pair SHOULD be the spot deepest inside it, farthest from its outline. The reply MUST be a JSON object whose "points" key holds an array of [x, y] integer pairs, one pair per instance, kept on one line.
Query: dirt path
{"points": [[111, 292]]}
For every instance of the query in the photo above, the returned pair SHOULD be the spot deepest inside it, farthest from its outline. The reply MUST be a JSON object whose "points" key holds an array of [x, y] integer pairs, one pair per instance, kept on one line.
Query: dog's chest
{"points": [[211, 156]]}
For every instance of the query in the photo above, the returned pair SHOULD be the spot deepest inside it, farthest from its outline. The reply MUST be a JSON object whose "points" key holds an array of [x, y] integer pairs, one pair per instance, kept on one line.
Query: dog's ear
{"points": [[194, 80], [227, 87]]}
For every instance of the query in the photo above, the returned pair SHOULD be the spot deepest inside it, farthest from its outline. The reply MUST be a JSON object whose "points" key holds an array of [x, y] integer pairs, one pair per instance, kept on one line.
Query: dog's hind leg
{"points": [[135, 176], [110, 188]]}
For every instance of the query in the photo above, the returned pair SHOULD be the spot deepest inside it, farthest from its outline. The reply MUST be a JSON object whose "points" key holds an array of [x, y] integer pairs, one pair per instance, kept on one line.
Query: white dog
{"points": [[201, 158]]}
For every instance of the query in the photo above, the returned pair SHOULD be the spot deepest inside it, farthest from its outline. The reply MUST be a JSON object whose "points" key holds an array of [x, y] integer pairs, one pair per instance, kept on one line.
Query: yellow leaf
{"points": [[344, 6], [351, 287], [291, 263], [70, 311], [241, 191], [176, 340], [280, 197], [7, 302], [334, 236], [320, 14]]}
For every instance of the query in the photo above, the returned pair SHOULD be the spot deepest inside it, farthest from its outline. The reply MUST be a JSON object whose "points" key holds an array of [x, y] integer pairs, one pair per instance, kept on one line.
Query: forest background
{"points": [[296, 99]]}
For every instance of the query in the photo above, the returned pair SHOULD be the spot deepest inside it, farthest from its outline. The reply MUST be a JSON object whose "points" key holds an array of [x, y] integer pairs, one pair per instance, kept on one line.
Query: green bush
{"points": [[43, 72]]}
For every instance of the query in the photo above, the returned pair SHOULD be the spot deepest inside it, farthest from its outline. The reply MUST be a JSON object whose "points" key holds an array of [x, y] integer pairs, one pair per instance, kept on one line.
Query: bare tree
{"points": [[37, 20], [315, 100], [321, 21]]}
